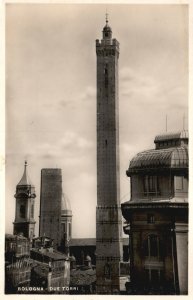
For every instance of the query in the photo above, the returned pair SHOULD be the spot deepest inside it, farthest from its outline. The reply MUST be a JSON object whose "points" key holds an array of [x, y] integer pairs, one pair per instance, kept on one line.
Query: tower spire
{"points": [[107, 18], [107, 31], [25, 178]]}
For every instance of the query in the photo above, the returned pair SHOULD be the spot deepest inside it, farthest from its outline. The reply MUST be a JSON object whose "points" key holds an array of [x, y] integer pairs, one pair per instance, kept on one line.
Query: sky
{"points": [[51, 93]]}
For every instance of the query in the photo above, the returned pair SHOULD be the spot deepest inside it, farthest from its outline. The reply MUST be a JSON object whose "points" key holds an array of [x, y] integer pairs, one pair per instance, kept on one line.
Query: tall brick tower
{"points": [[50, 204], [25, 200], [108, 213]]}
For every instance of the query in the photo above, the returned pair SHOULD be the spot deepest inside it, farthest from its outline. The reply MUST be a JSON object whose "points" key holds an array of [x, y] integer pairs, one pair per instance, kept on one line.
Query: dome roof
{"points": [[160, 158], [72, 258], [65, 205], [88, 258], [107, 28]]}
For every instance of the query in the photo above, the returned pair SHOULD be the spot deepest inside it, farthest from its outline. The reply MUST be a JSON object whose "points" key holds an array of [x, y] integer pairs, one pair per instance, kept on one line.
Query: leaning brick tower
{"points": [[108, 213]]}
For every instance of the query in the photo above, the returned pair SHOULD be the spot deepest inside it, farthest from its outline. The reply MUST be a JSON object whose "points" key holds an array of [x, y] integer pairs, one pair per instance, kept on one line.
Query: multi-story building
{"points": [[17, 263], [50, 268], [108, 212], [157, 216]]}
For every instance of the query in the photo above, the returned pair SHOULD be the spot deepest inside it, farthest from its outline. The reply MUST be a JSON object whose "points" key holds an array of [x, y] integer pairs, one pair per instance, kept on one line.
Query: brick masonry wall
{"points": [[50, 204], [108, 214]]}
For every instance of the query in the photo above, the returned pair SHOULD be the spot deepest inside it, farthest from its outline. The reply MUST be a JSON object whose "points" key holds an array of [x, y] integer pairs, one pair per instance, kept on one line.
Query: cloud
{"points": [[51, 72], [134, 85], [71, 148], [88, 94]]}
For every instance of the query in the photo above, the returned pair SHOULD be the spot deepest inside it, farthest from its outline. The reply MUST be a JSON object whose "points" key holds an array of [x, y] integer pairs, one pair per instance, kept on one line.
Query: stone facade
{"points": [[17, 263], [108, 213], [157, 216], [50, 268], [24, 213]]}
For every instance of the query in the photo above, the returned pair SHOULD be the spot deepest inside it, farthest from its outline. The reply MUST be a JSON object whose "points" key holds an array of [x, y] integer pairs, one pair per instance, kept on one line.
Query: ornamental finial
{"points": [[107, 18]]}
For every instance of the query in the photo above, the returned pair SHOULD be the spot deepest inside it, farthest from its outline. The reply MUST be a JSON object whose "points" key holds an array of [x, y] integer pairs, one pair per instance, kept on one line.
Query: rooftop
{"points": [[41, 270], [171, 136], [89, 242], [173, 139], [171, 152], [15, 237], [171, 158], [82, 277], [54, 255]]}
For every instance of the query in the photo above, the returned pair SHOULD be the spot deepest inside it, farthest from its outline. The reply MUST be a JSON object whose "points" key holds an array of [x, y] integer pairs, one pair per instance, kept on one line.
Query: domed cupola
{"points": [[107, 31], [72, 262], [161, 173], [66, 222], [88, 262], [65, 206]]}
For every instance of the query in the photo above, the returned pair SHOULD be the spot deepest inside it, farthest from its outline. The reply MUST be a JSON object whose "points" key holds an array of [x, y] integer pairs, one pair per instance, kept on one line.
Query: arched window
{"points": [[22, 211], [64, 227], [70, 229], [106, 75], [32, 211]]}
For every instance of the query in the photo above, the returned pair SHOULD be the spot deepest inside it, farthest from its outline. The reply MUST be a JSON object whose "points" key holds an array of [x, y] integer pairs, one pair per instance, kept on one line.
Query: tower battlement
{"points": [[111, 42]]}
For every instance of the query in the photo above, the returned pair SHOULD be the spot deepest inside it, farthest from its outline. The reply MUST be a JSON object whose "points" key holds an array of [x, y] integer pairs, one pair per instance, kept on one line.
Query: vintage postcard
{"points": [[97, 148]]}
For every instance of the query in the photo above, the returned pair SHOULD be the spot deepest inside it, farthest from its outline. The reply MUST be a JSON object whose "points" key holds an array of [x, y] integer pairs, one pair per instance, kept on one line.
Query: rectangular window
{"points": [[69, 224], [64, 227], [151, 185], [153, 246], [106, 75], [150, 219], [179, 182], [32, 211], [153, 279]]}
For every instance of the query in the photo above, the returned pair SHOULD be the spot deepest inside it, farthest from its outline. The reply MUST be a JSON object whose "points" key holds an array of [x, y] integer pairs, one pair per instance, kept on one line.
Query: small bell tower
{"points": [[24, 214]]}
